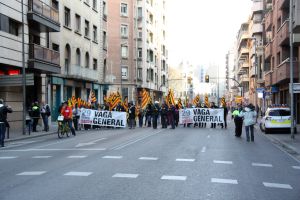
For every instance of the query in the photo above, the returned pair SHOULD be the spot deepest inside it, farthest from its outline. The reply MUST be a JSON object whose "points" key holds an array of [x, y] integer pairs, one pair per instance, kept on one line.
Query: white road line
{"points": [[41, 157], [203, 150], [112, 157], [173, 178], [28, 150], [7, 157], [220, 180], [296, 167], [78, 174], [223, 162], [185, 160], [148, 158], [277, 185], [32, 173], [120, 175], [261, 165], [77, 156]]}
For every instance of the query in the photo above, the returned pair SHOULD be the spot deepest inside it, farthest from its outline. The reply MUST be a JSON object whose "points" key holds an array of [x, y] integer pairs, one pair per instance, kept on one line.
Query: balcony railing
{"points": [[268, 50], [43, 9], [79, 72], [283, 71], [283, 33], [37, 52]]}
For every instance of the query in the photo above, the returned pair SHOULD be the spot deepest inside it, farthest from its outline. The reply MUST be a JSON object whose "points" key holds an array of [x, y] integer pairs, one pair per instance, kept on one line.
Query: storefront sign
{"points": [[199, 115], [103, 118]]}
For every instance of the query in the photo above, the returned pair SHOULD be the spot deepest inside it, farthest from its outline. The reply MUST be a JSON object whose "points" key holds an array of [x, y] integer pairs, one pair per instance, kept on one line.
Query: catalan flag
{"points": [[145, 99], [125, 103], [92, 97], [170, 98], [206, 101], [179, 103], [196, 99], [116, 98]]}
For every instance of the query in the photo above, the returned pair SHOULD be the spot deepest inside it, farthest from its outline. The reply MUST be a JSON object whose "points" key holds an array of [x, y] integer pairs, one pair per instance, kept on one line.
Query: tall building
{"points": [[80, 43], [277, 52], [41, 19], [137, 54]]}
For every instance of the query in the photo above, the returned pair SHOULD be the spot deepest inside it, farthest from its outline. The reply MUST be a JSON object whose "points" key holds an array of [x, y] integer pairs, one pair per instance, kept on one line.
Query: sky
{"points": [[202, 31]]}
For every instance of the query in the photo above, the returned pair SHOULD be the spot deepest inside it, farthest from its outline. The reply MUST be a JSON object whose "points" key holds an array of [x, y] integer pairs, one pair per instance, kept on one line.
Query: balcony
{"points": [[268, 79], [43, 59], [283, 34], [243, 79], [257, 7], [78, 72], [268, 50], [257, 28], [268, 20], [283, 72], [42, 16], [282, 4]]}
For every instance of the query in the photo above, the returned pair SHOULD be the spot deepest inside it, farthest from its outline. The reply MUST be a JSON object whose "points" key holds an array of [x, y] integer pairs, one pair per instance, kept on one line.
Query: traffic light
{"points": [[206, 78]]}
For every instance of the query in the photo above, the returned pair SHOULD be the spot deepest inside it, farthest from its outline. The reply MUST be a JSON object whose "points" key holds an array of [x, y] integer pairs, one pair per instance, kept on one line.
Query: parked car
{"points": [[276, 118]]}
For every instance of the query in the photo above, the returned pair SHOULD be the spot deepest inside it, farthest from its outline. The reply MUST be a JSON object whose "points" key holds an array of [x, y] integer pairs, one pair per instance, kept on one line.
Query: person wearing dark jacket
{"points": [[171, 116], [155, 114], [149, 111], [225, 117], [176, 115], [35, 115], [3, 120], [164, 115], [131, 117]]}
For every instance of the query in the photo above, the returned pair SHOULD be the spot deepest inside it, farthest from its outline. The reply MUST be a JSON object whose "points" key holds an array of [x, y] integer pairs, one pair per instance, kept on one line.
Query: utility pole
{"points": [[23, 71], [291, 70]]}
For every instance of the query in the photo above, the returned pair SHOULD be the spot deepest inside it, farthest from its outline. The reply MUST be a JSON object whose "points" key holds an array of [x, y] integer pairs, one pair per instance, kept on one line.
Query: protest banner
{"points": [[103, 118], [201, 115]]}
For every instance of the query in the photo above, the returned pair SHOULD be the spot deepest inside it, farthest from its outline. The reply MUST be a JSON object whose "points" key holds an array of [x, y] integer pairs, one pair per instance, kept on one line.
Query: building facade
{"points": [[137, 53]]}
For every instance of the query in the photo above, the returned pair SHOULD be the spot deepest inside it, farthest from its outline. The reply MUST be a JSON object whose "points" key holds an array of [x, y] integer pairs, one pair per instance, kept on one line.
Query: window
{"points": [[95, 64], [140, 73], [87, 60], [150, 55], [140, 53], [95, 32], [124, 72], [140, 12], [77, 23], [67, 17], [124, 31], [140, 34], [104, 40], [95, 4], [86, 28], [124, 50], [104, 9], [124, 9], [9, 25], [78, 57], [67, 58]]}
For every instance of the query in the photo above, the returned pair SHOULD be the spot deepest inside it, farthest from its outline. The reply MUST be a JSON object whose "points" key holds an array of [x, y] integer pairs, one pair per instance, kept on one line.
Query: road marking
{"points": [[120, 175], [220, 180], [89, 143], [173, 178], [148, 158], [41, 157], [77, 156], [277, 185], [78, 174], [32, 173], [261, 165], [296, 167], [7, 157], [223, 162], [203, 150], [185, 160], [121, 146], [28, 150], [112, 157]]}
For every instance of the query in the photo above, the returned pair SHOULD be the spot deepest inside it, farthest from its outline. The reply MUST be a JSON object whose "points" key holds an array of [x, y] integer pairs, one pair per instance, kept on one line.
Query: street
{"points": [[143, 163]]}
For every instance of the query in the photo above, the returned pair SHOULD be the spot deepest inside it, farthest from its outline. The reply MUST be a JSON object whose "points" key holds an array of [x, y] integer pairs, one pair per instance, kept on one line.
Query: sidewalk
{"points": [[15, 136]]}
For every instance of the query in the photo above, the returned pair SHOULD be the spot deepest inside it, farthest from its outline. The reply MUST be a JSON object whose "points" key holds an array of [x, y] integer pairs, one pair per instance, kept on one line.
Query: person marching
{"points": [[76, 116], [213, 106], [131, 117], [249, 115], [164, 115], [171, 116], [149, 111], [238, 121], [45, 113], [3, 120], [203, 124], [155, 114]]}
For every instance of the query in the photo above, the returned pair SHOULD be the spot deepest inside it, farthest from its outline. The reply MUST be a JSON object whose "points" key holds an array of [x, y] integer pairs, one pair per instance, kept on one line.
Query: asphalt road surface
{"points": [[143, 163]]}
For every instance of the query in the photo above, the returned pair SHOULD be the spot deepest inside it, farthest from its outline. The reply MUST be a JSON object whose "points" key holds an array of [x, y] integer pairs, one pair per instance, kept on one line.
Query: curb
{"points": [[30, 137]]}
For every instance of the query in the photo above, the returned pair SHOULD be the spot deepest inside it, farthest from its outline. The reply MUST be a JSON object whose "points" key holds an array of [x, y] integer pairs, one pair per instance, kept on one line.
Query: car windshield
{"points": [[279, 113]]}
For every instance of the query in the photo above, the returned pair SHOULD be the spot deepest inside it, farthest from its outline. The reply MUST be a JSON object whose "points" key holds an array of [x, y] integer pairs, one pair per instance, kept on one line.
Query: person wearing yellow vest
{"points": [[35, 115], [238, 121]]}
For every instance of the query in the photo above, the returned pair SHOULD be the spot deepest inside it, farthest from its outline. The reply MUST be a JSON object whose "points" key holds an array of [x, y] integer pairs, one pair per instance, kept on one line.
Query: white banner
{"points": [[103, 118], [201, 115]]}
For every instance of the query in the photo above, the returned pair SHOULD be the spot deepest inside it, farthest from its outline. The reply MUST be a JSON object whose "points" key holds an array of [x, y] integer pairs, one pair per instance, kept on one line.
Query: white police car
{"points": [[276, 118]]}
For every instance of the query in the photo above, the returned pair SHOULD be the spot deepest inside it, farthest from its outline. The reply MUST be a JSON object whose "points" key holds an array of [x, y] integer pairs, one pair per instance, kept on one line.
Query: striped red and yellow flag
{"points": [[115, 100], [125, 103], [196, 99], [170, 98], [145, 98], [206, 101], [179, 103], [92, 97]]}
